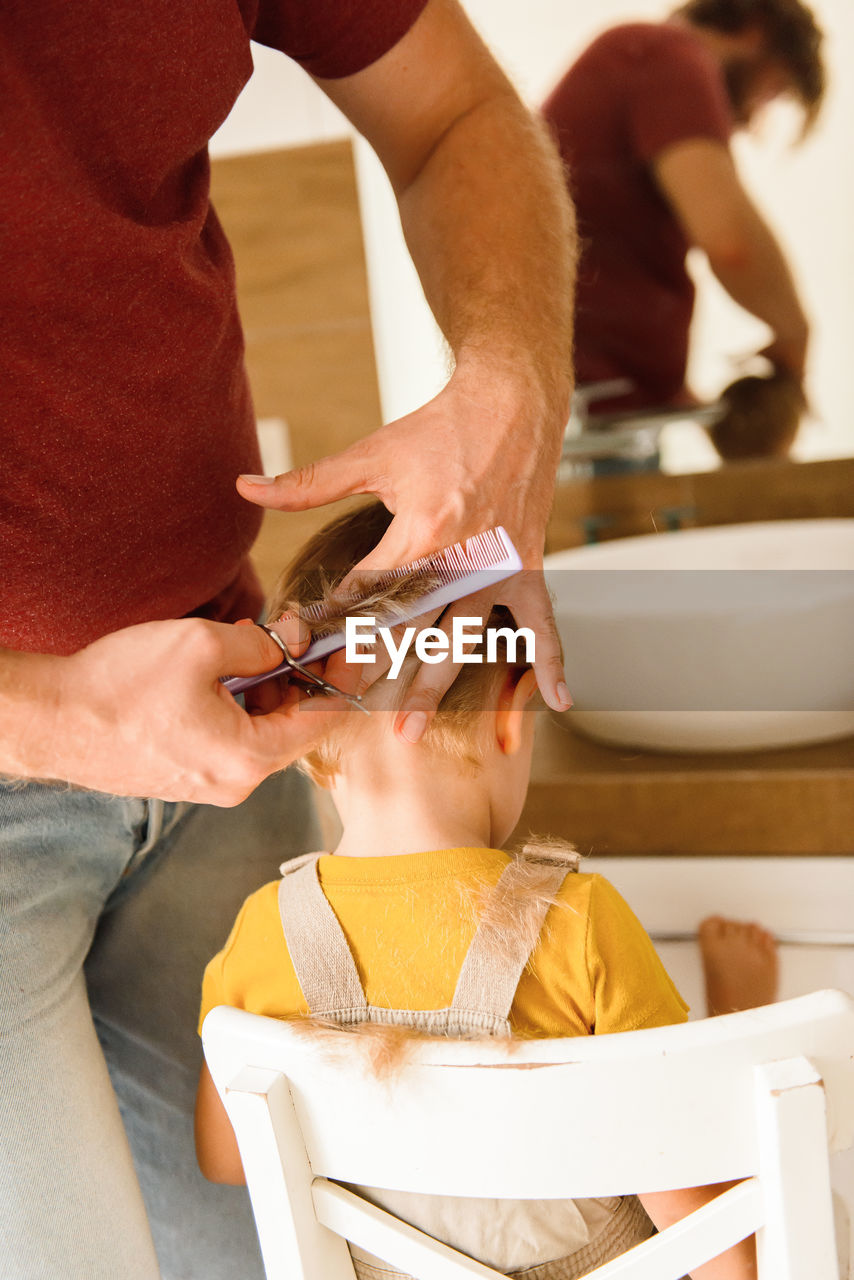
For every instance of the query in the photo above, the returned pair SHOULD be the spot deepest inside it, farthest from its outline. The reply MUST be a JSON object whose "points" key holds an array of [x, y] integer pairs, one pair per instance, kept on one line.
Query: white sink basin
{"points": [[724, 639]]}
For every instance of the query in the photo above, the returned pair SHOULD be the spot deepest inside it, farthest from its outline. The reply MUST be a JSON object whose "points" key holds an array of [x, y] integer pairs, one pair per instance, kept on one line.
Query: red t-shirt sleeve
{"points": [[676, 93], [334, 38]]}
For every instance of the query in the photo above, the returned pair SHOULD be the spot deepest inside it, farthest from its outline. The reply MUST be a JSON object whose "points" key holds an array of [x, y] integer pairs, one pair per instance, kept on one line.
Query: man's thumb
{"points": [[248, 651], [313, 485]]}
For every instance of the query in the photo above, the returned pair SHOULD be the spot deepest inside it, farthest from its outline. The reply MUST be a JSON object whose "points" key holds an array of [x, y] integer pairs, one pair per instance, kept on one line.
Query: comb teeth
{"points": [[483, 551], [490, 552]]}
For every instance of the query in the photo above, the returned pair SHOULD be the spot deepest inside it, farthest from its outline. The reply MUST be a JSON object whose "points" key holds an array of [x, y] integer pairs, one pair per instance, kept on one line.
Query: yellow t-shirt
{"points": [[409, 920]]}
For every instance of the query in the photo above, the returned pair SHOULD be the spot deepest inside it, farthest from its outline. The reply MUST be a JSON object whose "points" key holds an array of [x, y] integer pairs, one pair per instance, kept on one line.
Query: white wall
{"points": [[280, 107], [807, 194]]}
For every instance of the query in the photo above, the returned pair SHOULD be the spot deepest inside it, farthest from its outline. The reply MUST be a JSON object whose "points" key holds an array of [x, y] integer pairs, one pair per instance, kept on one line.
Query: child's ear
{"points": [[516, 693]]}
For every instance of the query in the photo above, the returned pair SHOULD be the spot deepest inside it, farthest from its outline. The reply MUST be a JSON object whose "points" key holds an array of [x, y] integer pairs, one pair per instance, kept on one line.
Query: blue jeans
{"points": [[109, 910]]}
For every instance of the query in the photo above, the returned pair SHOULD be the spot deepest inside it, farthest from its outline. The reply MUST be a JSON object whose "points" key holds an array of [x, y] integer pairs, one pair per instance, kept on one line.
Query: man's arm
{"points": [[482, 200], [489, 224], [700, 180]]}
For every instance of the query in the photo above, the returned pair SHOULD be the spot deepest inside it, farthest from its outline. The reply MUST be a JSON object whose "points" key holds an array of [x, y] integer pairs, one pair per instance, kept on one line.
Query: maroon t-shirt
{"points": [[635, 91], [124, 407]]}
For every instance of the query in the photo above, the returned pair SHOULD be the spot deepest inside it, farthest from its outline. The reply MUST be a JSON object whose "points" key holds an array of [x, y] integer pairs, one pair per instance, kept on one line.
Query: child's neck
{"points": [[387, 809]]}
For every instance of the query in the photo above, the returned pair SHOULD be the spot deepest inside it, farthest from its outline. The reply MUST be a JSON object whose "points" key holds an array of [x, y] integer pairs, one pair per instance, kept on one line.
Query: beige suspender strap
{"points": [[506, 936], [322, 960]]}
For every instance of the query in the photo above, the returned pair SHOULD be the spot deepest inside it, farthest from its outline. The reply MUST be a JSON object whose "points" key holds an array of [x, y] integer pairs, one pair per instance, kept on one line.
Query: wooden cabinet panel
{"points": [[622, 506], [610, 800], [293, 221]]}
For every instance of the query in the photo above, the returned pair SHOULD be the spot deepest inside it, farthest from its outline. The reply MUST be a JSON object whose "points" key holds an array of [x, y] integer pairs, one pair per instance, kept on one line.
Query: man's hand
{"points": [[143, 712], [468, 460], [488, 222], [789, 355]]}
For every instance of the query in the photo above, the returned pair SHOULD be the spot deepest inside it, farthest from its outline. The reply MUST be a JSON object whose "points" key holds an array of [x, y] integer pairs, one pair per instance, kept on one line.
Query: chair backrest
{"points": [[760, 1096]]}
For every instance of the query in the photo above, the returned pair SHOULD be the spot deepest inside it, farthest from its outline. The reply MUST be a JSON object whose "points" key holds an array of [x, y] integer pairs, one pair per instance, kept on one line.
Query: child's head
{"points": [[482, 709]]}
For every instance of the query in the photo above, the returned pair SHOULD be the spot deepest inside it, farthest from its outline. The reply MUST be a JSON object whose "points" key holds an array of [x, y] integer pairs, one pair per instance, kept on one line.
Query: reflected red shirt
{"points": [[635, 91], [124, 406]]}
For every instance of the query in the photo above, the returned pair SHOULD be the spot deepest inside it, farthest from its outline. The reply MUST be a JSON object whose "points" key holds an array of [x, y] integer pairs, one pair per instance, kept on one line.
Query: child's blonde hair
{"points": [[311, 579]]}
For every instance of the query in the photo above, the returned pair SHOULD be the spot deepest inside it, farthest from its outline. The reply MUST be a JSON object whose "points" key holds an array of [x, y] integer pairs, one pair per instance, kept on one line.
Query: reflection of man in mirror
{"points": [[644, 120]]}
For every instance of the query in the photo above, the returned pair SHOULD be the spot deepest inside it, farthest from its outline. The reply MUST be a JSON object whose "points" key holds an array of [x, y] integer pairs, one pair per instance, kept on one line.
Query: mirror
{"points": [[806, 193]]}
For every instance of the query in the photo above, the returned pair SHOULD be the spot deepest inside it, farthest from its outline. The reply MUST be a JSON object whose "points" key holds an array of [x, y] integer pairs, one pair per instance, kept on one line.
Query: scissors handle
{"points": [[296, 671]]}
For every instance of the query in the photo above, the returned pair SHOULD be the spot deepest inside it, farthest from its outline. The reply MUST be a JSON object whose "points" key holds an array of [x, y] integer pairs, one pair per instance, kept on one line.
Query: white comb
{"points": [[458, 571]]}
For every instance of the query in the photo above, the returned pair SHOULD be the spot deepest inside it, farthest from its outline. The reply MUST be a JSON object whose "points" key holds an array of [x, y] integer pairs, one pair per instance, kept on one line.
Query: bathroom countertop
{"points": [[621, 801]]}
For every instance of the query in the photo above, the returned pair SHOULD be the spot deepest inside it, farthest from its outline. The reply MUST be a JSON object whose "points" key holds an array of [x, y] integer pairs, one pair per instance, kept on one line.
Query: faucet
{"points": [[579, 409], [631, 433]]}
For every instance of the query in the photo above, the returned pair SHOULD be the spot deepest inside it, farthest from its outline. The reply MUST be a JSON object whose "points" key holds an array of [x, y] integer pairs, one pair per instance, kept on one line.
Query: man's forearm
{"points": [[756, 274], [483, 202], [491, 230], [28, 732], [699, 180]]}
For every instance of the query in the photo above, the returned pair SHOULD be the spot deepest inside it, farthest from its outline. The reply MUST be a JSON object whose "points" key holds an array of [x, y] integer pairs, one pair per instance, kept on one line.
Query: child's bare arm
{"points": [[667, 1207], [216, 1145]]}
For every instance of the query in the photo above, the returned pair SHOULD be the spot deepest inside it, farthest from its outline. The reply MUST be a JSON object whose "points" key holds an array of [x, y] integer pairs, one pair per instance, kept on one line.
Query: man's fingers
{"points": [[235, 650], [427, 690], [357, 677], [245, 649], [296, 725], [264, 697], [526, 596], [327, 480], [291, 628], [393, 550], [432, 681]]}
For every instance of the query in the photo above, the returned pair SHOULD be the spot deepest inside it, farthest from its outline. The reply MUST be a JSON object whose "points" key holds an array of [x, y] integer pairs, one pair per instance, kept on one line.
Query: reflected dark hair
{"points": [[792, 36], [761, 416]]}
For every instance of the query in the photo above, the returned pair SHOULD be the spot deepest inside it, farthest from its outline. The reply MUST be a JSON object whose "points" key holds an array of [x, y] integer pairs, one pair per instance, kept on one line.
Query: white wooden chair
{"points": [[760, 1096]]}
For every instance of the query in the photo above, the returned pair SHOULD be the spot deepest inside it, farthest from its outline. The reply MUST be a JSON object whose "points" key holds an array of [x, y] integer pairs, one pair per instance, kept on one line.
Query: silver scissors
{"points": [[315, 684]]}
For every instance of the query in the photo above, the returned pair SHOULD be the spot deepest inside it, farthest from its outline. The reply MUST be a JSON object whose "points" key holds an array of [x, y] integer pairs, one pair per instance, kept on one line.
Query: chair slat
{"points": [[687, 1244], [293, 1243], [401, 1245], [799, 1241]]}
